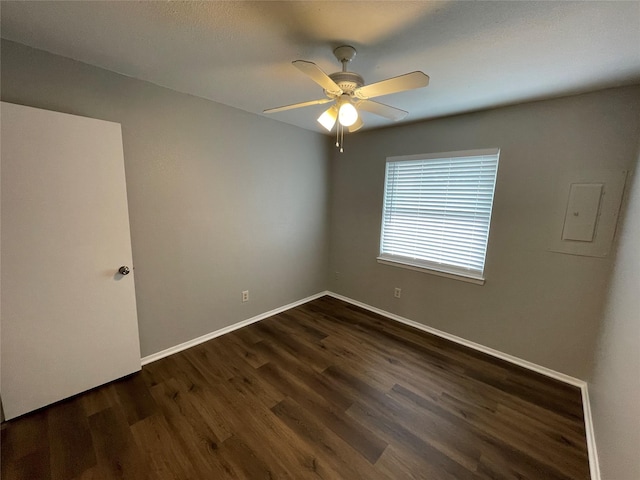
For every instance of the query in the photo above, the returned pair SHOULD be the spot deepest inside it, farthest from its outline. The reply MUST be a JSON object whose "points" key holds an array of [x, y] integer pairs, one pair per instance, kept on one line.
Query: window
{"points": [[437, 211]]}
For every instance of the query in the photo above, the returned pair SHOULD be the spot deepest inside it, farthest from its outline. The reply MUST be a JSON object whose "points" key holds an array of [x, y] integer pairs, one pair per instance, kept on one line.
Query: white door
{"points": [[68, 318]]}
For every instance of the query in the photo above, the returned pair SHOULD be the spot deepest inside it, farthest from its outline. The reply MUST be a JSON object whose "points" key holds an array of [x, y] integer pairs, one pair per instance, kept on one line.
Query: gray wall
{"points": [[220, 200], [538, 305], [615, 387]]}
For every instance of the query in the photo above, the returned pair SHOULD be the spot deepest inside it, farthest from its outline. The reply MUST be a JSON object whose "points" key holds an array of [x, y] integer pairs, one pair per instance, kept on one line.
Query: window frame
{"points": [[440, 269]]}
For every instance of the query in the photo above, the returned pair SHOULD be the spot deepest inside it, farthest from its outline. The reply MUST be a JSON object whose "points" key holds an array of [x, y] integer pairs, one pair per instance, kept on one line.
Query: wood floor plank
{"points": [[326, 390], [32, 465], [292, 322], [135, 398], [334, 450], [93, 473], [503, 461], [546, 452], [379, 411], [70, 443], [252, 421], [29, 436], [249, 385], [162, 455], [210, 362], [244, 349], [240, 462], [115, 448], [454, 440], [492, 435], [188, 430], [199, 405], [362, 439], [306, 378], [158, 372], [398, 462], [311, 356], [485, 396], [99, 399]]}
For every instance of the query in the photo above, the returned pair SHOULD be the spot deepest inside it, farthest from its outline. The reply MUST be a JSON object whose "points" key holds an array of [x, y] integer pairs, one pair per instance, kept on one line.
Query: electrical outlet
{"points": [[397, 292], [245, 296]]}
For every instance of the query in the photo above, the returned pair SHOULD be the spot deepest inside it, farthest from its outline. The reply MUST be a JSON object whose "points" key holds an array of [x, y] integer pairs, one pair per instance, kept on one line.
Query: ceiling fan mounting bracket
{"points": [[345, 53]]}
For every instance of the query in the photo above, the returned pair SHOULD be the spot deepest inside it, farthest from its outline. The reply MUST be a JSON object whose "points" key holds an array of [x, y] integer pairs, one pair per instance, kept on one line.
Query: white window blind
{"points": [[437, 211]]}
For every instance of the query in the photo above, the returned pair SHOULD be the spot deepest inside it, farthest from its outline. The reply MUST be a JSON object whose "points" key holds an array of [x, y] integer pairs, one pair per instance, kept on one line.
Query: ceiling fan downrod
{"points": [[344, 54]]}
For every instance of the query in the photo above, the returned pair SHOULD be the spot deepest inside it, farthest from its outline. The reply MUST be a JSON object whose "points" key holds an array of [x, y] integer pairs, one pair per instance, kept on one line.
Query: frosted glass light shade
{"points": [[328, 118], [347, 115]]}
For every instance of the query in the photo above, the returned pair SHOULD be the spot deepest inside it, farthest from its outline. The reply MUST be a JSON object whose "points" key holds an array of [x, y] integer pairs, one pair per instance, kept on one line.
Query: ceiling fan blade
{"points": [[408, 81], [298, 105], [382, 110], [356, 126], [317, 75]]}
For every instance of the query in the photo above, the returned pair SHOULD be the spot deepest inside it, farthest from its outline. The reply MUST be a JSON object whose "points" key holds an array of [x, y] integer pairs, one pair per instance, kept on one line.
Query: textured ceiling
{"points": [[478, 54]]}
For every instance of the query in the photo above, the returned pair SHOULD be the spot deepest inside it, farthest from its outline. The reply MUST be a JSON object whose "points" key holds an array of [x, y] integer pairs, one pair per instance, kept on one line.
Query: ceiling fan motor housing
{"points": [[347, 81]]}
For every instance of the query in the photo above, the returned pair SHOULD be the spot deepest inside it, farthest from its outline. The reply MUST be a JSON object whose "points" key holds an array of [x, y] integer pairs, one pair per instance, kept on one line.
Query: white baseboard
{"points": [[576, 382], [197, 341], [594, 466]]}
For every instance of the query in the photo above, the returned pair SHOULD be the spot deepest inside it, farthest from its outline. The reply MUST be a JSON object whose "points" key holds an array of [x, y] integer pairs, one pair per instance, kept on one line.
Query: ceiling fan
{"points": [[349, 94]]}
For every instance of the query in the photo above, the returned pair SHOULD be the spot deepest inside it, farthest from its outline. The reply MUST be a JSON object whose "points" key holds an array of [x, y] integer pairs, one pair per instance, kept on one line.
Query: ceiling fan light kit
{"points": [[350, 94], [329, 117], [347, 113]]}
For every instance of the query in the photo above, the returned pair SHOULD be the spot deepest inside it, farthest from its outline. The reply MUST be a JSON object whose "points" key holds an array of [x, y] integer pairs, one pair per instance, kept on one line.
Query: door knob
{"points": [[124, 270]]}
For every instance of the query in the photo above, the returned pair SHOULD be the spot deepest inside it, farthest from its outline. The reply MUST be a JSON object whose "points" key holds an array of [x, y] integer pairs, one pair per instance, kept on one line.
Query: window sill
{"points": [[431, 271]]}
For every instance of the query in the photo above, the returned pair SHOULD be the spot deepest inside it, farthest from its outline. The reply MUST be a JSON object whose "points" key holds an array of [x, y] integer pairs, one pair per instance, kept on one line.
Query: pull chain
{"points": [[340, 137]]}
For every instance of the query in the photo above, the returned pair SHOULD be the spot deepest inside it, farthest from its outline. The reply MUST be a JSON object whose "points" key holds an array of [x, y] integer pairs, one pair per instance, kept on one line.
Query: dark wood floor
{"points": [[326, 390]]}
